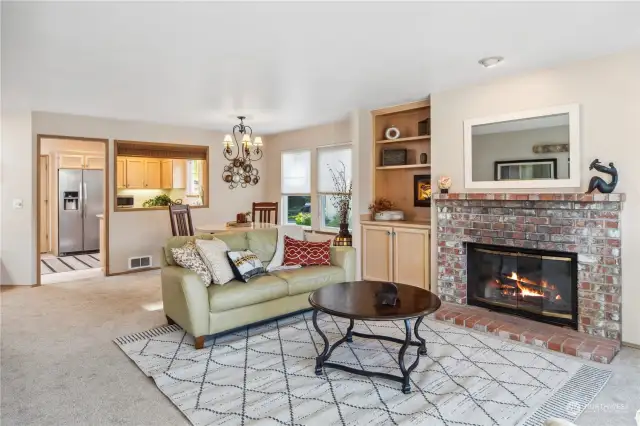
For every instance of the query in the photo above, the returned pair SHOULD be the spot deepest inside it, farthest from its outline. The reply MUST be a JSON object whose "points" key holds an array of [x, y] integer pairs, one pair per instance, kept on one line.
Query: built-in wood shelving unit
{"points": [[396, 183]]}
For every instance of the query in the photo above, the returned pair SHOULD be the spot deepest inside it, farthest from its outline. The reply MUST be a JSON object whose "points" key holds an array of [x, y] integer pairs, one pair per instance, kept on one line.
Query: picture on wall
{"points": [[422, 191]]}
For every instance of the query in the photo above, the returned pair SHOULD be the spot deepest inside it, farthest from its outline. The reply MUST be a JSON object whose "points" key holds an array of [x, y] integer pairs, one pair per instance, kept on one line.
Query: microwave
{"points": [[124, 201]]}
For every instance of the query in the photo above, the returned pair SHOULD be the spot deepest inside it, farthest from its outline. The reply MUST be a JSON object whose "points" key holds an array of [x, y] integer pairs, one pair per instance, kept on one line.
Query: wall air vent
{"points": [[140, 262]]}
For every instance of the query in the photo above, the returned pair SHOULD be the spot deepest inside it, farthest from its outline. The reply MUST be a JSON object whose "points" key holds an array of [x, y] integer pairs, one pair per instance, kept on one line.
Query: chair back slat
{"points": [[181, 224], [263, 212]]}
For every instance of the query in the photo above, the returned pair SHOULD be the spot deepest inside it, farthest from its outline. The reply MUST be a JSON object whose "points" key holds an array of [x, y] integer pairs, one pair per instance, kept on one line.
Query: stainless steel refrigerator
{"points": [[80, 199]]}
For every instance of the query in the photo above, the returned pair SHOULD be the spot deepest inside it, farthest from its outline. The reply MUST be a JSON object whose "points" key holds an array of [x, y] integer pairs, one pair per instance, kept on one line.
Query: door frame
{"points": [[106, 196], [47, 217]]}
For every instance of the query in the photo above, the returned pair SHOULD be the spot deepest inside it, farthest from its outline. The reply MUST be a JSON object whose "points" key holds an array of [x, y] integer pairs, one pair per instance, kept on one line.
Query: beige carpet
{"points": [[60, 366]]}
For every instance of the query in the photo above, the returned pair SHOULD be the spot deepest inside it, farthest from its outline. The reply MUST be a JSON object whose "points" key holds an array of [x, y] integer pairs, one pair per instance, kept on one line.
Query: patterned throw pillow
{"points": [[245, 264], [306, 253], [187, 256], [214, 255]]}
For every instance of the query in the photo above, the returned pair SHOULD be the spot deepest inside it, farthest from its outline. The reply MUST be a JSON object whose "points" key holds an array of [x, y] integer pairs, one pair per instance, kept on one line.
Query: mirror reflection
{"points": [[525, 149]]}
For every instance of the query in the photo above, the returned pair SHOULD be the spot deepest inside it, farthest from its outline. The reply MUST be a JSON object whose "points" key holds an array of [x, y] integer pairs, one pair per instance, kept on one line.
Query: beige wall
{"points": [[131, 233], [608, 91]]}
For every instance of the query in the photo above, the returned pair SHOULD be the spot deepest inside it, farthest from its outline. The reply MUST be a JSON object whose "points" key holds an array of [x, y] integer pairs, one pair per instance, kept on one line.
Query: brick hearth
{"points": [[554, 338], [588, 225]]}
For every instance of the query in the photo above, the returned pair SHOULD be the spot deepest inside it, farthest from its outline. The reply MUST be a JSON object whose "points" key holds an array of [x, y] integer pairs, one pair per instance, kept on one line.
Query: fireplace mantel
{"points": [[586, 224], [521, 196]]}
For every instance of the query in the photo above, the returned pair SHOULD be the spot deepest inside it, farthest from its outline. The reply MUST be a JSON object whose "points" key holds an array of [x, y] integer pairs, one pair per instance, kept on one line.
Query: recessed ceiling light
{"points": [[491, 61]]}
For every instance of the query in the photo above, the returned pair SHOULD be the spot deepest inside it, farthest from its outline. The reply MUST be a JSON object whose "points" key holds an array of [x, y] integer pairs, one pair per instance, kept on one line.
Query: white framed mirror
{"points": [[528, 149]]}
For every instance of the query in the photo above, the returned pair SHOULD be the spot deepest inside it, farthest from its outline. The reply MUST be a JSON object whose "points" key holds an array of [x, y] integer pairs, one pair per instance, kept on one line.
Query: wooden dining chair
{"points": [[181, 224], [261, 212]]}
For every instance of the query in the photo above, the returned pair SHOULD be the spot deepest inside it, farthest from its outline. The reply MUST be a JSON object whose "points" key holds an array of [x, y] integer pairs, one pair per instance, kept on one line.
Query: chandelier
{"points": [[240, 170]]}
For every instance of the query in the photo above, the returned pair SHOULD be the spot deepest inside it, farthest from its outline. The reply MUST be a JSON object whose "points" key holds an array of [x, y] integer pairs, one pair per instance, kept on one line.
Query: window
{"points": [[296, 187], [333, 161], [193, 173]]}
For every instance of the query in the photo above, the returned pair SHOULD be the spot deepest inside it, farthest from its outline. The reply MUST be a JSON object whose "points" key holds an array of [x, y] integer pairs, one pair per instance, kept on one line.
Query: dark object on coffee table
{"points": [[357, 300], [388, 294], [598, 183]]}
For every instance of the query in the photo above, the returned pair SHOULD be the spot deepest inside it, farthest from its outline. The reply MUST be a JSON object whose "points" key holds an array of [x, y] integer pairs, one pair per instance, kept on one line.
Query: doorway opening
{"points": [[72, 205]]}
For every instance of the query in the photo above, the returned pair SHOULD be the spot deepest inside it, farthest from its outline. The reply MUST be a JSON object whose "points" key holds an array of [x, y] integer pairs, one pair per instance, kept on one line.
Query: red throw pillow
{"points": [[306, 253]]}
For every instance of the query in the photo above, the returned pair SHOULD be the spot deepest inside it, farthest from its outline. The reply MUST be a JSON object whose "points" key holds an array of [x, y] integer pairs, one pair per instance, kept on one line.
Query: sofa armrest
{"points": [[345, 257], [185, 299]]}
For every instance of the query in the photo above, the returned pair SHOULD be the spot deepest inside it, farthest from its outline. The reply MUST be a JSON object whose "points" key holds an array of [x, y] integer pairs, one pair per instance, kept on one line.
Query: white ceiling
{"points": [[285, 65]]}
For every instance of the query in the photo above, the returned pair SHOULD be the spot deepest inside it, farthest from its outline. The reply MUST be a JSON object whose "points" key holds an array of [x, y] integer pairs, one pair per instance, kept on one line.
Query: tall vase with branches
{"points": [[341, 200]]}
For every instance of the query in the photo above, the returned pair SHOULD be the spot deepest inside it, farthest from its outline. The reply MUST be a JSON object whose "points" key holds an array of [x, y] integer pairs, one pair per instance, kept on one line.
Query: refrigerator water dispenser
{"points": [[70, 200]]}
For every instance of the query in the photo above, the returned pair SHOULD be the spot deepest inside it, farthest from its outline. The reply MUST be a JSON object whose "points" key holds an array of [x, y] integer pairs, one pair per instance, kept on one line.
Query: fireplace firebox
{"points": [[538, 284]]}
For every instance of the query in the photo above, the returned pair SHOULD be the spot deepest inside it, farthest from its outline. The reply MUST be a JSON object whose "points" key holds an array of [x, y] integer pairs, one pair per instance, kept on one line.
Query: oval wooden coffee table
{"points": [[357, 300]]}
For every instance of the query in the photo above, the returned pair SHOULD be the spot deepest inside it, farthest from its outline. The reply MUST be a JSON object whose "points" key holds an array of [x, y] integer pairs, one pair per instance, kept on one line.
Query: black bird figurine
{"points": [[598, 183]]}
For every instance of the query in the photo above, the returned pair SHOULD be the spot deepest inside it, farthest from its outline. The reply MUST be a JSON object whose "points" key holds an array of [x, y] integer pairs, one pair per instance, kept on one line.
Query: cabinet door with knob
{"points": [[94, 162], [121, 172], [71, 161], [152, 174], [135, 173], [411, 256], [377, 253]]}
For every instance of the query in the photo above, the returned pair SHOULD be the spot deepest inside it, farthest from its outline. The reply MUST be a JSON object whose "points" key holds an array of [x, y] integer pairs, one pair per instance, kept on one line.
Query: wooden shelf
{"points": [[410, 139], [405, 166]]}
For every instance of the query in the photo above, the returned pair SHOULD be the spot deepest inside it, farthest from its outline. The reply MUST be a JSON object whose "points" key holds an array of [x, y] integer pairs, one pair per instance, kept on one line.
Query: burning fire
{"points": [[524, 290]]}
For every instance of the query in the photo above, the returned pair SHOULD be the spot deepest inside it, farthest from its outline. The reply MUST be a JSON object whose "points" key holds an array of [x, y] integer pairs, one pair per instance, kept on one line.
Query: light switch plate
{"points": [[17, 203]]}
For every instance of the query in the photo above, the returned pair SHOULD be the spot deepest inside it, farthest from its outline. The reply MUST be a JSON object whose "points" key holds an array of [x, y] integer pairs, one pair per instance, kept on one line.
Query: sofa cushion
{"points": [[214, 255], [236, 294], [310, 278], [263, 243], [177, 242], [306, 253], [245, 265], [236, 240], [188, 257]]}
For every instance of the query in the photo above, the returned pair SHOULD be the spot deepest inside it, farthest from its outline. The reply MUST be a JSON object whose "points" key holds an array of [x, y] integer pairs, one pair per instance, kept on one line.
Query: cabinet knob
{"points": [[388, 233]]}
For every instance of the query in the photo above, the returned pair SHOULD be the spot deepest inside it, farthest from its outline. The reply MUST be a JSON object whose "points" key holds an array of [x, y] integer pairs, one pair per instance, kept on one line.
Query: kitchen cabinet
{"points": [[397, 252], [173, 173], [93, 162], [152, 173], [134, 174], [80, 161], [121, 172]]}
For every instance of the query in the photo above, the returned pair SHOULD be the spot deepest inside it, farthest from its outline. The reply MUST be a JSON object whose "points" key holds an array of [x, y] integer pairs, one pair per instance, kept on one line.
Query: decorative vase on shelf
{"points": [[344, 237], [423, 158]]}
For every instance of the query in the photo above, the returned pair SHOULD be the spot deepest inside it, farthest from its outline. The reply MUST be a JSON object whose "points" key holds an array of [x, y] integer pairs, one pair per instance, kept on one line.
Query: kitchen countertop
{"points": [[100, 216], [423, 224]]}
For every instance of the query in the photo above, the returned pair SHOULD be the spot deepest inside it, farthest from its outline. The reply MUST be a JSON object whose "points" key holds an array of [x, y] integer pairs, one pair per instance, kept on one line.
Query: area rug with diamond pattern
{"points": [[265, 375]]}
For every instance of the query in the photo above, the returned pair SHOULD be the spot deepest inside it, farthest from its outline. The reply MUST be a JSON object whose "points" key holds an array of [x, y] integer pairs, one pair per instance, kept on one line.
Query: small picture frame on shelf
{"points": [[422, 191]]}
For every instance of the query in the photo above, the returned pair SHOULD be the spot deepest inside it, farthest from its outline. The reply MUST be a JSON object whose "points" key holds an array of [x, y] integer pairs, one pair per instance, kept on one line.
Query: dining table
{"points": [[216, 228]]}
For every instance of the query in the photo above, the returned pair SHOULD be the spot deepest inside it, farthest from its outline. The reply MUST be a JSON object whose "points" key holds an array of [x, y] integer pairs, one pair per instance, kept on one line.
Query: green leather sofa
{"points": [[204, 311]]}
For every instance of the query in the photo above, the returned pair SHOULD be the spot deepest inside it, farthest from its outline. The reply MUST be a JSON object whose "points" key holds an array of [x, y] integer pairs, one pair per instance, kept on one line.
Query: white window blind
{"points": [[296, 172], [329, 158]]}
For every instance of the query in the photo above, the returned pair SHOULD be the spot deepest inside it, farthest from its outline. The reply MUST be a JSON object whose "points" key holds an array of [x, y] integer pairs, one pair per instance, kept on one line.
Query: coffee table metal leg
{"points": [[406, 386], [423, 346], [349, 330], [320, 358]]}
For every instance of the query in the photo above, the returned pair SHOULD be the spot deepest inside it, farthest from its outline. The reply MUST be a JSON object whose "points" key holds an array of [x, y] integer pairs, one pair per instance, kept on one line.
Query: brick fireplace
{"points": [[587, 225]]}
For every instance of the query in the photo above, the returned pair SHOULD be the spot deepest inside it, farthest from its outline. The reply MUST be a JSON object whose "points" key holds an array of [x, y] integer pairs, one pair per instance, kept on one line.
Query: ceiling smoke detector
{"points": [[491, 61]]}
